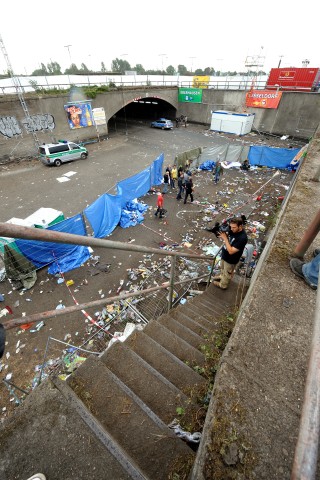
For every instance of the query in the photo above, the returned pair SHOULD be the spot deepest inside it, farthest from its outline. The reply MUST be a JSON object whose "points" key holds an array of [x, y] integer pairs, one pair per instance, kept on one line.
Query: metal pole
{"points": [[171, 289], [213, 264], [306, 453], [27, 233], [308, 237], [15, 322]]}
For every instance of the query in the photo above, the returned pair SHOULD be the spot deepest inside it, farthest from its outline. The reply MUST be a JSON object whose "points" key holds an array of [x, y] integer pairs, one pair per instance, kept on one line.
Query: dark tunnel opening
{"points": [[145, 110]]}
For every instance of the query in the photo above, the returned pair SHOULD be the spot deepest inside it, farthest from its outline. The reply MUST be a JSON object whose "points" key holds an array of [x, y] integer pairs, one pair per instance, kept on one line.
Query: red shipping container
{"points": [[294, 79]]}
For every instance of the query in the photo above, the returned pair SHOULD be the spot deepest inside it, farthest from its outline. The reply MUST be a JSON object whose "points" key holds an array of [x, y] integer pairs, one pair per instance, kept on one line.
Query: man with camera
{"points": [[235, 239]]}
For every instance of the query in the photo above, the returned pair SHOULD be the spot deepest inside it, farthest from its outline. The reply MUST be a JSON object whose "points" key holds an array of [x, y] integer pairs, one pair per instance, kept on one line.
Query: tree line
{"points": [[120, 66]]}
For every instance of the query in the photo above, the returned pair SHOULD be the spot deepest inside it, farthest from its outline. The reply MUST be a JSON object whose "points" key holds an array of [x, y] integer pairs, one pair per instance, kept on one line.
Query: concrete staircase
{"points": [[110, 419]]}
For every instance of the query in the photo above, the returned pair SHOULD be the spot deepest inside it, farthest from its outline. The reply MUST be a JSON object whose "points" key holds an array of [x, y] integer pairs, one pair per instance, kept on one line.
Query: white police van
{"points": [[61, 152]]}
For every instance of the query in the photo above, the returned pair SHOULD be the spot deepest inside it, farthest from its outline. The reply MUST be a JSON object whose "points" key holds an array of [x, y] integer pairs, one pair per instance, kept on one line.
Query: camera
{"points": [[224, 226]]}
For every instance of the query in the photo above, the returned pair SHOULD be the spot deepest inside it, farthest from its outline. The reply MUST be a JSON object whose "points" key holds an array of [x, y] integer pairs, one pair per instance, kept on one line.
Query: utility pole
{"points": [[19, 90], [162, 55], [68, 47], [192, 58], [281, 57]]}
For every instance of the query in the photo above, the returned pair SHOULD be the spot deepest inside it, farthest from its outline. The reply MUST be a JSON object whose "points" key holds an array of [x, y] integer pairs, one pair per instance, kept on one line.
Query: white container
{"points": [[231, 122]]}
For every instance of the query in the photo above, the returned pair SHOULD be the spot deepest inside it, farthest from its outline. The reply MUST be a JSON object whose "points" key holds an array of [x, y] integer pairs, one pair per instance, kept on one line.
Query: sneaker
{"points": [[296, 267], [217, 284], [316, 252]]}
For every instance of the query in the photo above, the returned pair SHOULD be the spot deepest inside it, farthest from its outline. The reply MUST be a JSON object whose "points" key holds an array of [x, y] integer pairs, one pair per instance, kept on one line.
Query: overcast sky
{"points": [[159, 33]]}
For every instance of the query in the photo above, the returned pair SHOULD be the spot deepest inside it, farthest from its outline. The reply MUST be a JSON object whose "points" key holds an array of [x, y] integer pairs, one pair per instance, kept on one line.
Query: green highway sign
{"points": [[191, 95]]}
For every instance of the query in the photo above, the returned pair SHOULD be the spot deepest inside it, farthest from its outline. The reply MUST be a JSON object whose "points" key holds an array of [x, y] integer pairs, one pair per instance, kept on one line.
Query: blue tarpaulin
{"points": [[44, 253], [104, 214], [135, 186], [208, 165], [132, 214], [272, 157], [156, 170]]}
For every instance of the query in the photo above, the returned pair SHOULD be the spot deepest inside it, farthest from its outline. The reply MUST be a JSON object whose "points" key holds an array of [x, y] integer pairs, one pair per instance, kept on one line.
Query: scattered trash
{"points": [[37, 327], [184, 435]]}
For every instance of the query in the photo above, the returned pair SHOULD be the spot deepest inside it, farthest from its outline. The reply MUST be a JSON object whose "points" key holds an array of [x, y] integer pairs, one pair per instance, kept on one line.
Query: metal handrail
{"points": [[27, 233], [307, 447], [239, 84]]}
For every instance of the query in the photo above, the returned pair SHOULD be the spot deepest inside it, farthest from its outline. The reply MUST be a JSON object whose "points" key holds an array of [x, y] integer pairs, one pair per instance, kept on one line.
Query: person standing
{"points": [[218, 172], [165, 182], [160, 208], [189, 189], [231, 252], [174, 176], [180, 185]]}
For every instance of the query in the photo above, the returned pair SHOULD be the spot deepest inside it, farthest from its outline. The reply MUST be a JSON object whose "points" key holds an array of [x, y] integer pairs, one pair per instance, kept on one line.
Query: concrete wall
{"points": [[298, 115]]}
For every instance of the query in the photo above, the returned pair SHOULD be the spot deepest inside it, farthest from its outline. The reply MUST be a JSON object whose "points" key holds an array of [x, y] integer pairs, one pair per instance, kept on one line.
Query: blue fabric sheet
{"points": [[272, 157], [135, 186], [132, 214], [208, 165], [156, 170], [44, 253], [104, 214]]}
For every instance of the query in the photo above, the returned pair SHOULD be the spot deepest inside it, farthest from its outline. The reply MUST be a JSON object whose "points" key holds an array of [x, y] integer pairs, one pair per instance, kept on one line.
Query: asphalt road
{"points": [[27, 187]]}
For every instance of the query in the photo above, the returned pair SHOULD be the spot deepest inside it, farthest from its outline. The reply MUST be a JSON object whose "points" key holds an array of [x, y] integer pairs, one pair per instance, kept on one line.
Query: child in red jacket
{"points": [[160, 208]]}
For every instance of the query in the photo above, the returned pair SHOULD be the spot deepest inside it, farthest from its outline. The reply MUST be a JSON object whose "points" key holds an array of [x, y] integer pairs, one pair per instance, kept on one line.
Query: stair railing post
{"points": [[172, 270], [213, 265]]}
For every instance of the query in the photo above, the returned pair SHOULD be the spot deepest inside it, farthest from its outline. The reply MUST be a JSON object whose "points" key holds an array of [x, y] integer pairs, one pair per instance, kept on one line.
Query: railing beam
{"points": [[306, 453]]}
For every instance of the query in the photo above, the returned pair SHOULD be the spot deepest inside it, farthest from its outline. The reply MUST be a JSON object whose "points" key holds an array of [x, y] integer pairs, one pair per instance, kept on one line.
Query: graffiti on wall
{"points": [[9, 126], [37, 123]]}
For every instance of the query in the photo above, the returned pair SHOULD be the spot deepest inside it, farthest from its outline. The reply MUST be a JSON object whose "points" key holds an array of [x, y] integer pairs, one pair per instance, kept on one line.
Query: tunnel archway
{"points": [[143, 110]]}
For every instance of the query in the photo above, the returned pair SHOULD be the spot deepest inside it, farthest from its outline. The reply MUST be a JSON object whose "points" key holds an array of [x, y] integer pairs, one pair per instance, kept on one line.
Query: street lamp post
{"points": [[68, 47], [162, 55], [192, 58]]}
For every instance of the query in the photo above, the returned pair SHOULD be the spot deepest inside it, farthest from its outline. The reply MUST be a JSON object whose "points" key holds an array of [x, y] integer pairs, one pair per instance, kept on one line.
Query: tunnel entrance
{"points": [[143, 109]]}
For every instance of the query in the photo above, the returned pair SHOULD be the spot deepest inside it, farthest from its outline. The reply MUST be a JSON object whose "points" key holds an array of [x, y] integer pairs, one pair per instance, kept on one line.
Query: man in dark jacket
{"points": [[234, 243], [180, 185], [189, 189]]}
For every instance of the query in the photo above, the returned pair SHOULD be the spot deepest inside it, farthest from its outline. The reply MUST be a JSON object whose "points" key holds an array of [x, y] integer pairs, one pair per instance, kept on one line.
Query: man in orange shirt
{"points": [[160, 208]]}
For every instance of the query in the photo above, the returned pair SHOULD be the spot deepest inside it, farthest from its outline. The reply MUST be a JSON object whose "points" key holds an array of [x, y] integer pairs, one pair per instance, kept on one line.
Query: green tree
{"points": [[103, 67], [120, 66], [208, 71], [40, 71], [170, 70], [54, 68], [73, 69], [182, 70], [139, 69], [84, 68], [199, 71]]}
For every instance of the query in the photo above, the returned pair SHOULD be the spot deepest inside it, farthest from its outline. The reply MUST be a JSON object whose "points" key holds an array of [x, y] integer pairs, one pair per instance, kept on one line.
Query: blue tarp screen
{"points": [[44, 253], [104, 214], [156, 170], [134, 187], [272, 157]]}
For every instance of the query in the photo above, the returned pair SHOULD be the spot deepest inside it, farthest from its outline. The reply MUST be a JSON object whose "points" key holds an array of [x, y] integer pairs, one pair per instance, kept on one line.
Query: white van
{"points": [[58, 153]]}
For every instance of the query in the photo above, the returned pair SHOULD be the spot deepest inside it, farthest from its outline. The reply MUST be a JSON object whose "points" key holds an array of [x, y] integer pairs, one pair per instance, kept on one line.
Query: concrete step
{"points": [[176, 345], [140, 433], [161, 396], [181, 330], [211, 303], [184, 312], [48, 434], [191, 324], [166, 363], [205, 309], [197, 311]]}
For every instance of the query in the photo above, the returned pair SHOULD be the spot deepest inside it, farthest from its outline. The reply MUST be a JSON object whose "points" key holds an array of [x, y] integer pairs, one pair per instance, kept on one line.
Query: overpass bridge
{"points": [[297, 115]]}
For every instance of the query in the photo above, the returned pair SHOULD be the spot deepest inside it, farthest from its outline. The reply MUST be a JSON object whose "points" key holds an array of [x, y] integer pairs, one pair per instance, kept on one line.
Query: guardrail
{"points": [[217, 84], [15, 231]]}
